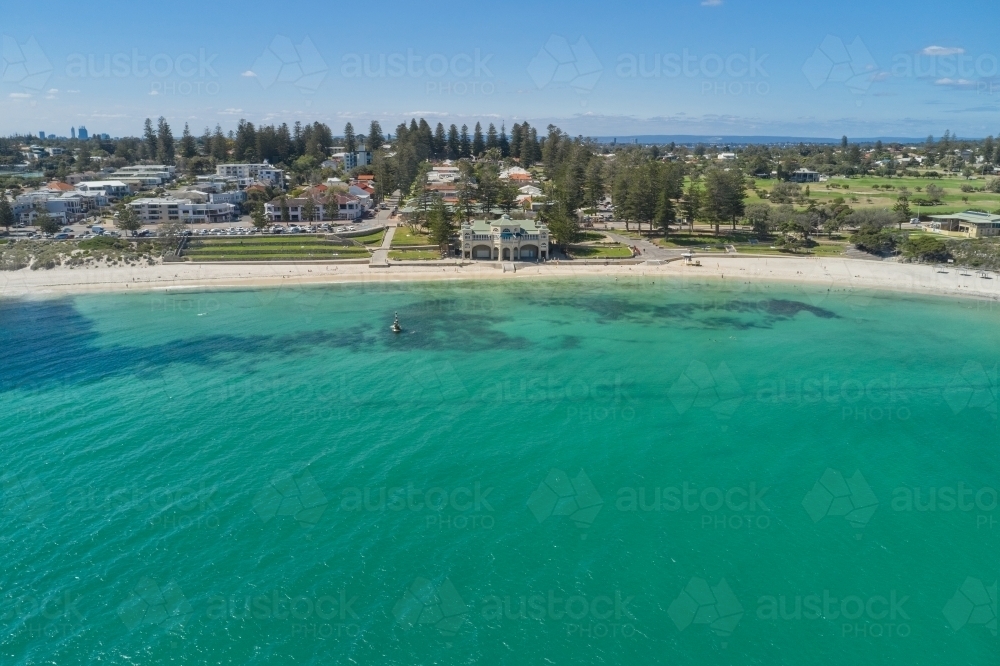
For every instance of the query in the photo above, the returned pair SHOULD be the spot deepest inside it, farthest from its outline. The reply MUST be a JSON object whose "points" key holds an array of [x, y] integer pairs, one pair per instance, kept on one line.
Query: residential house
{"points": [[804, 176]]}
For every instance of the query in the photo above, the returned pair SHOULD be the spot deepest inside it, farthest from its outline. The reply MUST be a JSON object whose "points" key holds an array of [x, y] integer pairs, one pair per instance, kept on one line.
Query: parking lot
{"points": [[243, 226]]}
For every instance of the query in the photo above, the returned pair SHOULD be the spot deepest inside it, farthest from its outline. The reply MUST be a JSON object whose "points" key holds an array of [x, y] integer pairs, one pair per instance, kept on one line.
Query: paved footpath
{"points": [[380, 257]]}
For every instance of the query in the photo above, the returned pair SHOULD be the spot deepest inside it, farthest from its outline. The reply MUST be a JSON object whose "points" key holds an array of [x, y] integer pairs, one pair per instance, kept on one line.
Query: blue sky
{"points": [[735, 67]]}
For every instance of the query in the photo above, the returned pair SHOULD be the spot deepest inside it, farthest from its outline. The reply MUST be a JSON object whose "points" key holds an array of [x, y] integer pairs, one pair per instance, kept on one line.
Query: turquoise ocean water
{"points": [[553, 472]]}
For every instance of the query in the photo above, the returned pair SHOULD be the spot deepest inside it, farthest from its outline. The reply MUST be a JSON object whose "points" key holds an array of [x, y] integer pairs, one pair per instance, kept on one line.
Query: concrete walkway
{"points": [[649, 250], [380, 257]]}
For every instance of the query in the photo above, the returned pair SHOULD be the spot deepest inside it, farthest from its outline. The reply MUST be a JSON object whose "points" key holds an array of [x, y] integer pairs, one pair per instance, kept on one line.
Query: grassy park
{"points": [[271, 248], [414, 255], [405, 236], [602, 251], [882, 192]]}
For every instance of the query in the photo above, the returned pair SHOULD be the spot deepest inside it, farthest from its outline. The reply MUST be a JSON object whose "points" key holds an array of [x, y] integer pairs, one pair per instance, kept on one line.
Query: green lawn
{"points": [[874, 192], [741, 241], [631, 233], [406, 236], [591, 237], [414, 255], [610, 251], [370, 239], [271, 248]]}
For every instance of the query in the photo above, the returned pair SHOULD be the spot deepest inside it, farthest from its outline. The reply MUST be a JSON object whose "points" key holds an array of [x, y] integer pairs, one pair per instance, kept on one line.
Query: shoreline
{"points": [[833, 273]]}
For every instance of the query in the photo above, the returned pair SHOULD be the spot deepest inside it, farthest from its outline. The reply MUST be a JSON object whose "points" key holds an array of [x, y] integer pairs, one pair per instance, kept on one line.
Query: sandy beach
{"points": [[832, 273]]}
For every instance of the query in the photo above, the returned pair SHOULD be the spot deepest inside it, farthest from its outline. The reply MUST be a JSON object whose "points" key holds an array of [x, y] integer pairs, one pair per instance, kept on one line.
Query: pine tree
{"points": [[164, 142], [206, 141], [245, 146], [454, 146], [504, 144], [440, 142], [127, 219], [440, 224], [350, 141], [515, 141], [149, 136], [6, 213], [375, 138], [491, 137], [478, 145], [188, 146], [464, 145], [220, 146]]}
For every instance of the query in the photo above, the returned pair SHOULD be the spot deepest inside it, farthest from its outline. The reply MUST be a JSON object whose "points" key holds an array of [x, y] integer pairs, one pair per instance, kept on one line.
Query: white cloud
{"points": [[73, 92], [53, 91], [230, 112], [955, 83], [942, 51], [711, 3], [20, 95], [154, 92], [249, 73]]}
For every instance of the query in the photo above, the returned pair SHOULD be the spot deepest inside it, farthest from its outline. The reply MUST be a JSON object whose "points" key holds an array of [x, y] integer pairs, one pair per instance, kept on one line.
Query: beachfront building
{"points": [[971, 224], [169, 209], [347, 208], [505, 240]]}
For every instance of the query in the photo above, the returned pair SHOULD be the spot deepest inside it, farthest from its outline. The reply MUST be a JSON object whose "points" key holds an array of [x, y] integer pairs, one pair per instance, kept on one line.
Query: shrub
{"points": [[926, 248], [874, 239]]}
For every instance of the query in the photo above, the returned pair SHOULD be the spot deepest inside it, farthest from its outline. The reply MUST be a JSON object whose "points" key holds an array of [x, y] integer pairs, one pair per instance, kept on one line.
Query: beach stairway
{"points": [[509, 267]]}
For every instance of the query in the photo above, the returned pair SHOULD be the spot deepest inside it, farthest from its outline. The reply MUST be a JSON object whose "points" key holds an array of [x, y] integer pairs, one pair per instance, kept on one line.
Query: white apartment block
{"points": [[347, 208], [247, 173], [169, 209]]}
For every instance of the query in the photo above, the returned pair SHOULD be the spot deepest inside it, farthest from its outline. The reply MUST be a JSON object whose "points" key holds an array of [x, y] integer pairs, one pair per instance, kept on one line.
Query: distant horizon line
{"points": [[656, 139]]}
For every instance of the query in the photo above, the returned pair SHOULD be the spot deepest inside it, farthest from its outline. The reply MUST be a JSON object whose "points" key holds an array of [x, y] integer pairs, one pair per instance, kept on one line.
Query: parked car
{"points": [[62, 236]]}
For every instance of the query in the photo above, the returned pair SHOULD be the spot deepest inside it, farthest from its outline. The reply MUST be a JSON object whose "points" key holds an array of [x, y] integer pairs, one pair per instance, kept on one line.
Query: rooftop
{"points": [[487, 226], [970, 216]]}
